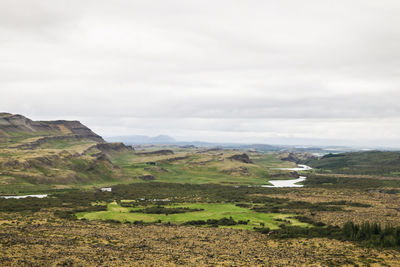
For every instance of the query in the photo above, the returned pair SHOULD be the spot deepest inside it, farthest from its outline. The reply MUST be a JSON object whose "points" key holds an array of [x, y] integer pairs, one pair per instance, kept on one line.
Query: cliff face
{"points": [[11, 124]]}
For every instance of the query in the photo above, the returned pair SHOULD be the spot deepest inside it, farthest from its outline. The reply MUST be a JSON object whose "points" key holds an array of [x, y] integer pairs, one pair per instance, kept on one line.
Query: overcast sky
{"points": [[283, 71]]}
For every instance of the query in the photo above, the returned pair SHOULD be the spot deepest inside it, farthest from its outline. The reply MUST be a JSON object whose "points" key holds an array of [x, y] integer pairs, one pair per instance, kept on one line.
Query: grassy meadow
{"points": [[208, 211]]}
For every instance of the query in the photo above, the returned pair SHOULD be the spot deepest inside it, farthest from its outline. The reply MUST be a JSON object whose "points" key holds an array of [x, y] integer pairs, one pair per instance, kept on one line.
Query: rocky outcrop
{"points": [[12, 123], [109, 148], [241, 157]]}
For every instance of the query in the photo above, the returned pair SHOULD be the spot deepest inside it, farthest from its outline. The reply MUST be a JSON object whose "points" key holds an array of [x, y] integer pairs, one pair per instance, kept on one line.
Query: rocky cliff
{"points": [[12, 125]]}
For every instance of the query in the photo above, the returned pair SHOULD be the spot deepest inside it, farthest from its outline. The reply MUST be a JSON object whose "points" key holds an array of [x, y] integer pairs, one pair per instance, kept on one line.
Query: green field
{"points": [[210, 211]]}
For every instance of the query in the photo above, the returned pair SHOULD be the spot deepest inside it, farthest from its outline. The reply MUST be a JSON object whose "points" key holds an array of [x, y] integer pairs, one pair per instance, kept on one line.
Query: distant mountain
{"points": [[142, 139], [14, 125], [167, 140]]}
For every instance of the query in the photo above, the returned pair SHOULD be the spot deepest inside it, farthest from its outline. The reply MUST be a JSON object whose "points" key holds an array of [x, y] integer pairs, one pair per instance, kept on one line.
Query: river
{"points": [[18, 197], [289, 183]]}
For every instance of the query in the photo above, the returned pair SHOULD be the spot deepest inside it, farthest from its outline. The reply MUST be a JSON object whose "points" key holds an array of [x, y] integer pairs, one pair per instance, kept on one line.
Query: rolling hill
{"points": [[361, 163]]}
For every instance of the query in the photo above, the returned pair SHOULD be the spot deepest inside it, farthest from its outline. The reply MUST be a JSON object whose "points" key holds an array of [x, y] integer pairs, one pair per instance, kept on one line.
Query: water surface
{"points": [[289, 183], [286, 183], [18, 197]]}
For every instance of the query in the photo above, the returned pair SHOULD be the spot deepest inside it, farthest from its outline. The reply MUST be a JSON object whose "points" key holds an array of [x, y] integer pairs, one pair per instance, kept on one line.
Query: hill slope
{"points": [[366, 163]]}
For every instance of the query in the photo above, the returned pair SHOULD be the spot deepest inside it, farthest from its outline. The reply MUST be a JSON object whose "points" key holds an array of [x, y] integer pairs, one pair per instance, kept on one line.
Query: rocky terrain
{"points": [[46, 241]]}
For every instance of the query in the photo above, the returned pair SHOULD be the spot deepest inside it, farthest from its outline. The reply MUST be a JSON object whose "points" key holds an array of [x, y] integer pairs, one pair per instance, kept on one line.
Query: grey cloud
{"points": [[229, 66]]}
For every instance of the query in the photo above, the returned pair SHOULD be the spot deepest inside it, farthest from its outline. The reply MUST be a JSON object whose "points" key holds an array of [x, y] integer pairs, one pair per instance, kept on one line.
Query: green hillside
{"points": [[363, 163]]}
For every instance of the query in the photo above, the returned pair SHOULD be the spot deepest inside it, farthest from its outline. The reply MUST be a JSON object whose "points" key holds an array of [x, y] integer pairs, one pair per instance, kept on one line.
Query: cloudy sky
{"points": [[276, 71]]}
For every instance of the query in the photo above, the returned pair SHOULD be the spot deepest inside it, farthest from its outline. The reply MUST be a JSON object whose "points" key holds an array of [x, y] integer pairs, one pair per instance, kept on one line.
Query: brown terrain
{"points": [[384, 208], [42, 240]]}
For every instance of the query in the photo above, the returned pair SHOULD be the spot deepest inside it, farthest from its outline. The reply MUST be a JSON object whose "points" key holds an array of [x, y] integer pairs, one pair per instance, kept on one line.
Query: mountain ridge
{"points": [[12, 125]]}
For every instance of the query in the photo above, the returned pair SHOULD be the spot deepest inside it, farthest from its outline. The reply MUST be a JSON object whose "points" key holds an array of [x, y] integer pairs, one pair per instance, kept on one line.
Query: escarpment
{"points": [[12, 126]]}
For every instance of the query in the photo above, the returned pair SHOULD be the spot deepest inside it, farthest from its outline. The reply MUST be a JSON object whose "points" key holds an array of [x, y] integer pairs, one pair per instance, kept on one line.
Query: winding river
{"points": [[289, 183]]}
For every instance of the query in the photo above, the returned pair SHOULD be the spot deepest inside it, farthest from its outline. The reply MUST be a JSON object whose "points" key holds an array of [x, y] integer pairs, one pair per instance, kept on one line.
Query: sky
{"points": [[305, 72]]}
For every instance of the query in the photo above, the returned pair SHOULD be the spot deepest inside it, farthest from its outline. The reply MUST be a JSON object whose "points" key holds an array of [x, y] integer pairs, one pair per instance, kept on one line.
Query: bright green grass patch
{"points": [[210, 211]]}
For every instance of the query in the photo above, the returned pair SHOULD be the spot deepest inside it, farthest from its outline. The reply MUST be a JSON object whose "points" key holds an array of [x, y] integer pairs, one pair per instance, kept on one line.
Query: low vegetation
{"points": [[367, 234], [349, 182], [163, 210]]}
